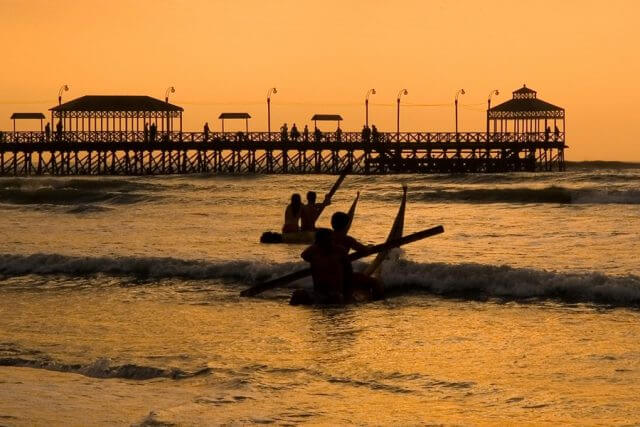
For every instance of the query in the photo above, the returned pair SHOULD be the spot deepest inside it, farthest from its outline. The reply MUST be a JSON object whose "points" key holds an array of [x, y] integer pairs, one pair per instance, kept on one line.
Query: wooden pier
{"points": [[128, 153], [140, 135]]}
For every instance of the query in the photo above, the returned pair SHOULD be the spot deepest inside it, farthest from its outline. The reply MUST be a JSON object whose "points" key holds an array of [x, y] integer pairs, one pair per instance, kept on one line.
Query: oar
{"points": [[255, 290], [352, 210], [333, 190]]}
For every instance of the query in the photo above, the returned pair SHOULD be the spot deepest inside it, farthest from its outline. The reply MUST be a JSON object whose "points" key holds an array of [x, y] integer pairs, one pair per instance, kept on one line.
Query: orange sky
{"points": [[324, 55]]}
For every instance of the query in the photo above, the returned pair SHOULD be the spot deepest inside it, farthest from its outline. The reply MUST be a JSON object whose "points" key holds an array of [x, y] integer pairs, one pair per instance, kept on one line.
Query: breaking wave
{"points": [[504, 282], [551, 194], [73, 191], [460, 280]]}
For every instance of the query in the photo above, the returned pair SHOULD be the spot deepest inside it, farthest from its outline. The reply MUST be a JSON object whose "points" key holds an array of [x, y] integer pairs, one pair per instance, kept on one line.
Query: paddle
{"points": [[333, 190], [261, 287]]}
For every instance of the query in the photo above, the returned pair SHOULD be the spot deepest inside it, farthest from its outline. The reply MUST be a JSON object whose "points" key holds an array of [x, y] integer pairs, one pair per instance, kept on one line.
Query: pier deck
{"points": [[130, 153]]}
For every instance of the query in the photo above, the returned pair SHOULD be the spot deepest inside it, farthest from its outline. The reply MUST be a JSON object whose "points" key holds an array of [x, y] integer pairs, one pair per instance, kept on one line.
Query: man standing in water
{"points": [[356, 283], [329, 263], [311, 211]]}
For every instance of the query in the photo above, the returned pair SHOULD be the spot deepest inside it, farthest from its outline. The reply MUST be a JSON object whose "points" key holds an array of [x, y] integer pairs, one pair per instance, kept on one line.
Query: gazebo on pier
{"points": [[124, 114], [526, 114]]}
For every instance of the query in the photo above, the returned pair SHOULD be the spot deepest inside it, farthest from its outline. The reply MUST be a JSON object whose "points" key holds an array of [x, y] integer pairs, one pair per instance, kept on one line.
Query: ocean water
{"points": [[119, 303]]}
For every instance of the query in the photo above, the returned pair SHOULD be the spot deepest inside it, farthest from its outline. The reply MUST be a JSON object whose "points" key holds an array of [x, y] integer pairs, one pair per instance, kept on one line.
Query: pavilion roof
{"points": [[525, 103], [234, 116], [326, 117], [116, 103], [25, 116]]}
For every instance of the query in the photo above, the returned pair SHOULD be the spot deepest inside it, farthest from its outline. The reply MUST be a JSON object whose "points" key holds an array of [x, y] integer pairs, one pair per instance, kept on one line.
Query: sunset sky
{"points": [[323, 56]]}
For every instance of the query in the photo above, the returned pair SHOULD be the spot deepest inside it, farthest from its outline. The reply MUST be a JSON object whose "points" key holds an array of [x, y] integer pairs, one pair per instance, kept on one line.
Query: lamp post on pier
{"points": [[64, 88], [271, 91], [493, 92], [458, 93], [169, 90], [366, 106], [402, 92]]}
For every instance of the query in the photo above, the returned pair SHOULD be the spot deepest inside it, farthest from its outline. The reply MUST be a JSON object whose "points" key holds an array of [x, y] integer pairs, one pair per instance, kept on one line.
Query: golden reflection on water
{"points": [[410, 359]]}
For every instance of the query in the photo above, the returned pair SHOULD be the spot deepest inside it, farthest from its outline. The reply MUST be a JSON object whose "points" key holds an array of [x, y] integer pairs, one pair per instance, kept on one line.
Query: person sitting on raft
{"points": [[356, 283], [311, 211], [292, 215], [329, 266]]}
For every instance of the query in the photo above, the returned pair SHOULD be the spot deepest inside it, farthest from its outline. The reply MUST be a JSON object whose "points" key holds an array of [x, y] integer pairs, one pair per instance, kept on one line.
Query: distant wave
{"points": [[551, 194], [602, 164], [442, 279], [32, 191], [102, 368]]}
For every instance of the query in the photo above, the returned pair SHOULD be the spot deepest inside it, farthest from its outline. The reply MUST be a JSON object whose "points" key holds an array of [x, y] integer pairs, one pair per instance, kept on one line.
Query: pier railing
{"points": [[80, 137]]}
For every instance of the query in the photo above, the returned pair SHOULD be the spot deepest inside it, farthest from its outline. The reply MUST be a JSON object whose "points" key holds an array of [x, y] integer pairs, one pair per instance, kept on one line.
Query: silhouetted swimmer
{"points": [[311, 211], [292, 215], [329, 262], [356, 284]]}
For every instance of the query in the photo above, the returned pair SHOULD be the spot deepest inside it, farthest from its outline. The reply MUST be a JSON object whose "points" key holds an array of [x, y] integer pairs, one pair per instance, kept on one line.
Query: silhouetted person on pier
{"points": [[47, 132], [305, 133], [547, 131], [556, 132], [284, 133], [366, 134], [59, 131], [153, 130], [375, 135], [206, 131], [317, 135], [146, 132], [338, 134], [295, 133]]}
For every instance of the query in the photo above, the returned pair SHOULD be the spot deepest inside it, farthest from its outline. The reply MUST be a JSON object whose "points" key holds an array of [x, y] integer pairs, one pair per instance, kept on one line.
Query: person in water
{"points": [[311, 211], [356, 283], [329, 266], [292, 215]]}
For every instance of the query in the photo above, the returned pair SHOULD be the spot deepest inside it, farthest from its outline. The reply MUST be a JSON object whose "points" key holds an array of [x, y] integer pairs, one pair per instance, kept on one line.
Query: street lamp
{"points": [[493, 92], [64, 88], [366, 106], [402, 92], [458, 93], [271, 91], [169, 90]]}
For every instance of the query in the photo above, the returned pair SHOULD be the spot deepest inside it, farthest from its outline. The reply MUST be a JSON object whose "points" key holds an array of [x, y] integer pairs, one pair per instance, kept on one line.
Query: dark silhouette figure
{"points": [[366, 134], [305, 133], [317, 135], [146, 132], [284, 133], [206, 131], [153, 130], [556, 132], [47, 132], [59, 131], [375, 135], [547, 131], [295, 133], [339, 134]]}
